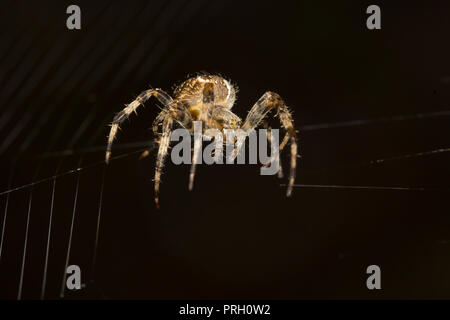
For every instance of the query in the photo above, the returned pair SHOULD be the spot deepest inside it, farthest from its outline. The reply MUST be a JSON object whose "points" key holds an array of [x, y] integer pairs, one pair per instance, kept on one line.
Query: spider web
{"points": [[100, 149]]}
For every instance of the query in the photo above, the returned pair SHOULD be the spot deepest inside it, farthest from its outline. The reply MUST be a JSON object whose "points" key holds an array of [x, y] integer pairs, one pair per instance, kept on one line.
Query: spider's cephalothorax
{"points": [[209, 99]]}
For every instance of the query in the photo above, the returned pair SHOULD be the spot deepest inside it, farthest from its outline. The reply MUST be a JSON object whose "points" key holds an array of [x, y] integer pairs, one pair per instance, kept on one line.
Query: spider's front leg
{"points": [[280, 166], [268, 102], [163, 97], [164, 142]]}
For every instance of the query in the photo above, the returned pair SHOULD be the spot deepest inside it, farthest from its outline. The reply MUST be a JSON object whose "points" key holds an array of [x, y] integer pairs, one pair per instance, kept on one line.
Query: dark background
{"points": [[236, 235]]}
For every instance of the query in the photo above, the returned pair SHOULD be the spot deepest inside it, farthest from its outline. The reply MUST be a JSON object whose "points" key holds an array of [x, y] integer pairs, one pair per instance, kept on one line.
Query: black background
{"points": [[236, 235]]}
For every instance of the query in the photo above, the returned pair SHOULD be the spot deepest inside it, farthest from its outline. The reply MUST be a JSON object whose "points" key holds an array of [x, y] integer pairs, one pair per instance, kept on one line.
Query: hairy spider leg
{"points": [[208, 102], [282, 145], [162, 96], [280, 166], [164, 142], [268, 102]]}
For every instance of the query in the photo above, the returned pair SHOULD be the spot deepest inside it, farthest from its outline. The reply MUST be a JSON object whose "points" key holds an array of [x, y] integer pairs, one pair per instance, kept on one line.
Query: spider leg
{"points": [[269, 139], [164, 142], [207, 100], [158, 120], [163, 97], [280, 168], [193, 166], [196, 154], [268, 102], [282, 145]]}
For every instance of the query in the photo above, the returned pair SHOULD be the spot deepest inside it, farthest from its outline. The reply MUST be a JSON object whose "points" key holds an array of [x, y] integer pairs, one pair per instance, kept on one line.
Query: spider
{"points": [[209, 99]]}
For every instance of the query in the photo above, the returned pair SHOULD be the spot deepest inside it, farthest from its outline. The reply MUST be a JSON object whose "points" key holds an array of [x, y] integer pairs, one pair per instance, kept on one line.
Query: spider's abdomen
{"points": [[200, 93]]}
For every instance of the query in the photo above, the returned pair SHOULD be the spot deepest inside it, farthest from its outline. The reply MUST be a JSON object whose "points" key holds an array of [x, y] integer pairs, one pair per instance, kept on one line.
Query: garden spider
{"points": [[209, 99]]}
